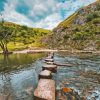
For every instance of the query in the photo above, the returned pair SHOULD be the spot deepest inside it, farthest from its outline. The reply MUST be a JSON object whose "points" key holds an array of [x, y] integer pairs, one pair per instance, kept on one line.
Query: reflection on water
{"points": [[17, 61], [19, 75]]}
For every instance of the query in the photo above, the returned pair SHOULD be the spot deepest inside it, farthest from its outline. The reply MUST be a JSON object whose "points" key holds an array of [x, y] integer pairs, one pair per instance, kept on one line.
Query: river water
{"points": [[19, 75]]}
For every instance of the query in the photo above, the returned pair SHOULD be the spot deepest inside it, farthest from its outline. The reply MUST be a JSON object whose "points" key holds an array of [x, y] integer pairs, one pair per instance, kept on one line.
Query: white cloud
{"points": [[13, 16], [42, 8], [42, 13], [10, 14], [49, 22]]}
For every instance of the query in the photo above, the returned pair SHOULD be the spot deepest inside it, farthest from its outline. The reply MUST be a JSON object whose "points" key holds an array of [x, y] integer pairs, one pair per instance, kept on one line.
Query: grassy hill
{"points": [[79, 31], [68, 21], [24, 37]]}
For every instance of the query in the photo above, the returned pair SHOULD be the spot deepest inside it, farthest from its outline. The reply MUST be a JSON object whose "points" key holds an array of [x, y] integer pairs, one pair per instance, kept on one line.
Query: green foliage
{"points": [[96, 21], [68, 21], [98, 6], [5, 35], [80, 28], [92, 15], [66, 37], [21, 34], [76, 29], [80, 36]]}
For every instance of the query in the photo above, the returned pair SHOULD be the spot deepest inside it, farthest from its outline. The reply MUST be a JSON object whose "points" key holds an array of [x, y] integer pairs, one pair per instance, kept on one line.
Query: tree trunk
{"points": [[5, 52], [4, 48]]}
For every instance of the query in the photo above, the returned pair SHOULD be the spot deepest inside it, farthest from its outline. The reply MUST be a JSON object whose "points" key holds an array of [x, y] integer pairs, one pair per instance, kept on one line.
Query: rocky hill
{"points": [[79, 31]]}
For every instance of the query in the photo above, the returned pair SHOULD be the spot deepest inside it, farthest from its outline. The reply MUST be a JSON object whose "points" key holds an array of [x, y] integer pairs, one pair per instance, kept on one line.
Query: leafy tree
{"points": [[5, 34]]}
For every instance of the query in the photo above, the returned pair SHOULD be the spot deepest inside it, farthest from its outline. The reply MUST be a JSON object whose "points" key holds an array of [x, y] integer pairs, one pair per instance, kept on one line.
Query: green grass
{"points": [[68, 21], [24, 37]]}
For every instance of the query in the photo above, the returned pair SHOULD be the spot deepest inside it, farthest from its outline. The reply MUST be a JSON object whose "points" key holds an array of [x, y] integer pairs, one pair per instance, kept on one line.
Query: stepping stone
{"points": [[52, 68], [46, 74], [45, 90], [51, 55], [49, 63], [49, 59]]}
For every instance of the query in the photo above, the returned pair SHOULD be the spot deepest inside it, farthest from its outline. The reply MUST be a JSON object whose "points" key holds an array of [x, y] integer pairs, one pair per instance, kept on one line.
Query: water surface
{"points": [[19, 74], [83, 77]]}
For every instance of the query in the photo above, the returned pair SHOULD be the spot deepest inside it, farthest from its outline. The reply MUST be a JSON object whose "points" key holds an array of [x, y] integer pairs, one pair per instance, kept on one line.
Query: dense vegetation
{"points": [[21, 37], [79, 31]]}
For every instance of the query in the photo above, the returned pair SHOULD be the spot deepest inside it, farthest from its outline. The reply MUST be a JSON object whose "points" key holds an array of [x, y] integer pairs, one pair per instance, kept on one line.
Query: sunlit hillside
{"points": [[24, 37], [79, 31]]}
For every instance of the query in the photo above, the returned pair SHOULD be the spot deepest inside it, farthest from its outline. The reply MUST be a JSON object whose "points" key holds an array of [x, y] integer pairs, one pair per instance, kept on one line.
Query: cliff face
{"points": [[79, 31]]}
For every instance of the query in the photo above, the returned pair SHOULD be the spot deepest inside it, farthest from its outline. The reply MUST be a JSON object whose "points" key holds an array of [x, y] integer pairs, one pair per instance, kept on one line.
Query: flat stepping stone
{"points": [[49, 66], [46, 74], [45, 90], [52, 68], [49, 59], [49, 63]]}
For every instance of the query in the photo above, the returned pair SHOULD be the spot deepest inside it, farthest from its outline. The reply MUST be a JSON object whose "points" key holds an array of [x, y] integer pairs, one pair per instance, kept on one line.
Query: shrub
{"points": [[80, 36], [91, 16], [66, 37], [96, 21], [98, 6], [76, 29]]}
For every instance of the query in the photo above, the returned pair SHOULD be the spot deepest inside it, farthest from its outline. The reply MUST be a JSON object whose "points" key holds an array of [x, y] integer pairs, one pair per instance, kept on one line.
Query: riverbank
{"points": [[52, 50]]}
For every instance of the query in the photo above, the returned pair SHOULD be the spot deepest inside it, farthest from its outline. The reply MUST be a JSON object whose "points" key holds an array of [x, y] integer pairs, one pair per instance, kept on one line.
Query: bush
{"points": [[76, 29], [91, 16], [96, 21], [66, 37], [98, 6], [80, 36]]}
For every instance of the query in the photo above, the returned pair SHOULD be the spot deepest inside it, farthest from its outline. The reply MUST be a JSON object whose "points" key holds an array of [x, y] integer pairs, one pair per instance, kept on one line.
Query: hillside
{"points": [[24, 37], [79, 31]]}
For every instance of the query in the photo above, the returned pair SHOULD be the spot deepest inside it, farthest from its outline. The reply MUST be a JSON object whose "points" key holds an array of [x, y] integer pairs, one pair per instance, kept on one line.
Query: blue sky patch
{"points": [[22, 8], [2, 5], [40, 13]]}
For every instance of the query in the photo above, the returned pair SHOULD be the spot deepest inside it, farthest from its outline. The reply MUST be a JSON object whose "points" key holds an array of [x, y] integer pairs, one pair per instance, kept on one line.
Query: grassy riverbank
{"points": [[22, 37]]}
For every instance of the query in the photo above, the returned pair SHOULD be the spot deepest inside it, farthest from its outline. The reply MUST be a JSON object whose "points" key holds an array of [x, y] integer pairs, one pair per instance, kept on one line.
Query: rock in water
{"points": [[68, 94]]}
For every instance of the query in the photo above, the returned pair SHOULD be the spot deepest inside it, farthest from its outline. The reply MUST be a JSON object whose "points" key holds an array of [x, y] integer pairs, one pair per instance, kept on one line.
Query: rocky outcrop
{"points": [[78, 30]]}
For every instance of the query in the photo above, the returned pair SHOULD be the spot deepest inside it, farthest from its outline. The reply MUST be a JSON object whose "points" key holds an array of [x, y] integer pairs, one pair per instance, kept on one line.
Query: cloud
{"points": [[40, 13], [10, 14], [50, 21]]}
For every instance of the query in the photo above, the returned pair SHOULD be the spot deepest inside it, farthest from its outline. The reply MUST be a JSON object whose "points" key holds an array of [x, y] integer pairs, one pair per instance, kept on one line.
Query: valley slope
{"points": [[80, 31], [23, 37]]}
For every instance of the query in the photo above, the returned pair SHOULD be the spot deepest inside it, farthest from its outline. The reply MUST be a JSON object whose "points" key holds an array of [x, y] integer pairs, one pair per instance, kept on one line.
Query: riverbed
{"points": [[19, 75]]}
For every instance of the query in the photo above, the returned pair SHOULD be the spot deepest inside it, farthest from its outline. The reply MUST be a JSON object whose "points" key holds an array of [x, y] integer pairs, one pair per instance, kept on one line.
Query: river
{"points": [[19, 75]]}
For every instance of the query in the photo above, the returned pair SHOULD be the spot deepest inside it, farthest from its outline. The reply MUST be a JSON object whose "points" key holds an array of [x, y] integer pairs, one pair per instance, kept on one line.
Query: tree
{"points": [[5, 34]]}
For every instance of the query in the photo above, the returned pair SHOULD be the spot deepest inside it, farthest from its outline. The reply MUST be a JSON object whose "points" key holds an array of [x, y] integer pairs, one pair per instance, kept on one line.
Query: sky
{"points": [[40, 13]]}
